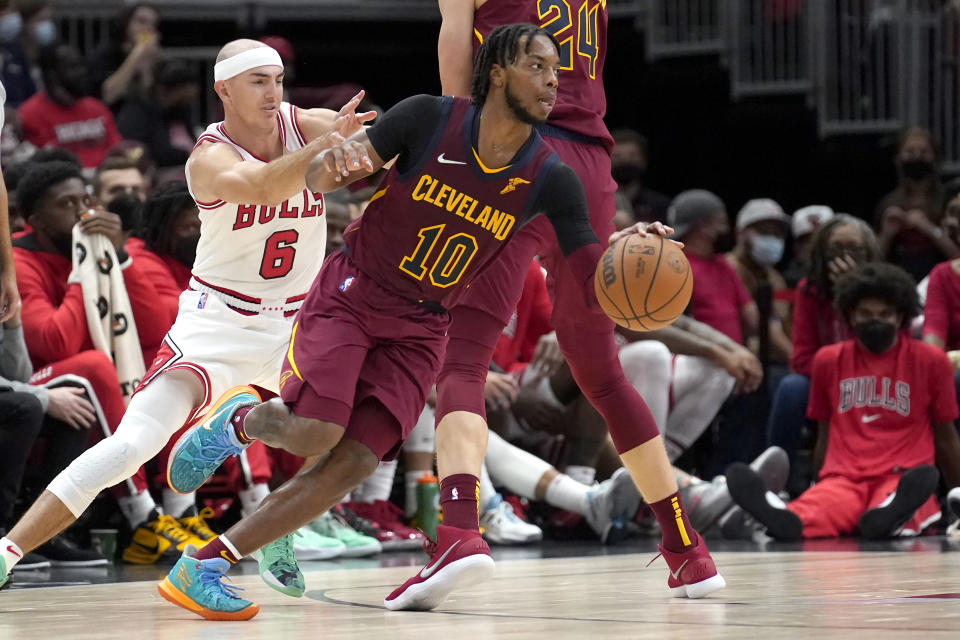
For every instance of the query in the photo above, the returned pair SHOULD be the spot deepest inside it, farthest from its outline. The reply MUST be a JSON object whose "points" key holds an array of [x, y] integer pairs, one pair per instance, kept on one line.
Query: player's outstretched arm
{"points": [[455, 46], [343, 164]]}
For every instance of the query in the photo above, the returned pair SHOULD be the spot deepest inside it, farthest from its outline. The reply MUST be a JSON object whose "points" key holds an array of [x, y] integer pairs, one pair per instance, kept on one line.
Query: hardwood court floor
{"points": [[809, 594]]}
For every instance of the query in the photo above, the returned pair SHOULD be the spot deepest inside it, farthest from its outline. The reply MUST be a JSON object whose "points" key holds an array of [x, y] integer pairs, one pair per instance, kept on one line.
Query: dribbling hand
{"points": [[643, 229]]}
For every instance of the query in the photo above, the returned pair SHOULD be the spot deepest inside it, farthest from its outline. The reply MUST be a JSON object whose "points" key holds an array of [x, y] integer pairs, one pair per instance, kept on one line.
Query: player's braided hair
{"points": [[501, 48], [818, 275], [38, 178], [880, 280], [159, 211]]}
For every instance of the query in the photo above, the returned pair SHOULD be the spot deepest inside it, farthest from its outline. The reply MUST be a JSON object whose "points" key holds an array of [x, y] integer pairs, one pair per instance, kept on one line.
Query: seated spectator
{"points": [[163, 118], [123, 65], [14, 67], [165, 247], [885, 408], [838, 246], [699, 219], [38, 32], [61, 416], [116, 176], [803, 224], [941, 326], [761, 237], [63, 114], [52, 196], [630, 160], [908, 218]]}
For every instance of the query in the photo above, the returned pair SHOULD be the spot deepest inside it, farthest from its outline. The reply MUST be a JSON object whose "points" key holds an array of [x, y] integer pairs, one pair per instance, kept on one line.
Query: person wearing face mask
{"points": [[629, 161], [908, 218], [14, 67], [838, 246], [64, 115], [885, 407], [761, 238], [699, 220], [37, 32]]}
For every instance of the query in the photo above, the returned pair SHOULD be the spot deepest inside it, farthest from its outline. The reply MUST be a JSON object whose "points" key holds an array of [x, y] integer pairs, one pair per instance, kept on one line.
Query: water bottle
{"points": [[428, 505]]}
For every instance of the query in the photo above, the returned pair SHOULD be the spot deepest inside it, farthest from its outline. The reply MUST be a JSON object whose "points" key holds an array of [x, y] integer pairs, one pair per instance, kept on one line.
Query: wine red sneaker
{"points": [[692, 572], [458, 557]]}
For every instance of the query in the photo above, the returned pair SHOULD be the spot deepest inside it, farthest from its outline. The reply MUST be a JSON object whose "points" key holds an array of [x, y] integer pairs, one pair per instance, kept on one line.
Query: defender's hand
{"points": [[348, 121]]}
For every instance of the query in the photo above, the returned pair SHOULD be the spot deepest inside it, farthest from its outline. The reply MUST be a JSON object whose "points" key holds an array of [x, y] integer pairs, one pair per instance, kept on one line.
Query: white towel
{"points": [[107, 306]]}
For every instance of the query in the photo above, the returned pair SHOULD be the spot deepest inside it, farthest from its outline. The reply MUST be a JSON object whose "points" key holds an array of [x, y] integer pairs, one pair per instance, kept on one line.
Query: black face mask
{"points": [[184, 250], [876, 336], [917, 169], [129, 208], [626, 174]]}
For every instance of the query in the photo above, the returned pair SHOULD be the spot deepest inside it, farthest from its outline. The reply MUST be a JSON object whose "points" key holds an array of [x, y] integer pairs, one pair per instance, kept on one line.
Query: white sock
{"points": [[11, 553], [486, 488], [582, 474], [176, 504], [251, 498], [380, 483], [410, 481], [566, 493], [137, 507]]}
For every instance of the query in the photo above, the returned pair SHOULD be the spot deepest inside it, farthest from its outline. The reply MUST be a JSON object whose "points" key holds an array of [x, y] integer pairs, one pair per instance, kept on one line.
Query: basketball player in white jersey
{"points": [[261, 244]]}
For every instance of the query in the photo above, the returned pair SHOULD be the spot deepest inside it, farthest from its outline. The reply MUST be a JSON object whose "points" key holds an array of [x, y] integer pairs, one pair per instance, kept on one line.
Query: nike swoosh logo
{"points": [[443, 160], [428, 570], [676, 574], [875, 416], [11, 550]]}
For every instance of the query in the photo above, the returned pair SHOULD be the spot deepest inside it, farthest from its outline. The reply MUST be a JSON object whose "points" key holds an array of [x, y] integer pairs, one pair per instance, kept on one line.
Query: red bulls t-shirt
{"points": [[881, 408]]}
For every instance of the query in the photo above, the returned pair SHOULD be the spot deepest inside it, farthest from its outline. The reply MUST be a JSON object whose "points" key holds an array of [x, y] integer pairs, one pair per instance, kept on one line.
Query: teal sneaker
{"points": [[310, 545], [203, 448], [197, 585], [4, 574], [278, 567], [332, 525]]}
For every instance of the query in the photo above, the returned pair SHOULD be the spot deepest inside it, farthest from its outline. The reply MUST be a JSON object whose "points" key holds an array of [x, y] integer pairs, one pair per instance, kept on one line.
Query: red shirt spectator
{"points": [[718, 295], [529, 321], [815, 324], [942, 309], [86, 128]]}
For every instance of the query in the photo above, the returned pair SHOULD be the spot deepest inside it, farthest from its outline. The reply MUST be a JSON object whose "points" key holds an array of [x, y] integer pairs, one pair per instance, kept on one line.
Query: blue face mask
{"points": [[44, 32], [10, 26], [766, 250]]}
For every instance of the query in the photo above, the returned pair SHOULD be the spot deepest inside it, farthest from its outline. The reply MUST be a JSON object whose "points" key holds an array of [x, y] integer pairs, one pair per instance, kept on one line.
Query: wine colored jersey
{"points": [[582, 34], [441, 216], [881, 408]]}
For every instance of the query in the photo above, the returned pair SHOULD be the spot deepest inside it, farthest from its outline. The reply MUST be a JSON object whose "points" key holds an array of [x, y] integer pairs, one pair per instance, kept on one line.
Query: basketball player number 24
{"points": [[556, 16], [451, 261]]}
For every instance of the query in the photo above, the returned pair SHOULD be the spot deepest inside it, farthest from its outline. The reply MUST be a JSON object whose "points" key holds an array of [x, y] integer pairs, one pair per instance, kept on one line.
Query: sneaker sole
{"points": [[361, 551], [99, 562], [512, 541], [313, 553], [226, 397], [953, 501], [179, 598], [271, 581], [431, 593], [699, 589], [32, 567], [749, 492], [773, 465], [914, 489]]}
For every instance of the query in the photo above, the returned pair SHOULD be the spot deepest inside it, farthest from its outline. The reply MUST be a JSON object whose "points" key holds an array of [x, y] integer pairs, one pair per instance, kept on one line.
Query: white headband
{"points": [[246, 60]]}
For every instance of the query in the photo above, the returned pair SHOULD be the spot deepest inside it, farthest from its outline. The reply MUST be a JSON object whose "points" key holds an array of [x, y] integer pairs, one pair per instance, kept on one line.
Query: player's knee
{"points": [[645, 358], [349, 464]]}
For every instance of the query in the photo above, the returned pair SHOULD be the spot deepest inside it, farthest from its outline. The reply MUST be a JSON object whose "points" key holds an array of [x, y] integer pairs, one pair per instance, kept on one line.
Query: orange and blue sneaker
{"points": [[202, 449], [197, 585], [693, 573], [458, 558]]}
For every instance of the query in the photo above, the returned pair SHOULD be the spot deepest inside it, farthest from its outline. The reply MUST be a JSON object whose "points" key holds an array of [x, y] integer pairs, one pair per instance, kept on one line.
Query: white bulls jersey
{"points": [[254, 252]]}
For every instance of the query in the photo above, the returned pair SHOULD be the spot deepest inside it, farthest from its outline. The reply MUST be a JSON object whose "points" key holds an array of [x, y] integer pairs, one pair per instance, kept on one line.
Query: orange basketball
{"points": [[643, 283]]}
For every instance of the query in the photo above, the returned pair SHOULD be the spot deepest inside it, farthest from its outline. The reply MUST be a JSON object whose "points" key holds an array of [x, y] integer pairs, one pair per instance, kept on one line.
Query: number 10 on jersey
{"points": [[451, 261]]}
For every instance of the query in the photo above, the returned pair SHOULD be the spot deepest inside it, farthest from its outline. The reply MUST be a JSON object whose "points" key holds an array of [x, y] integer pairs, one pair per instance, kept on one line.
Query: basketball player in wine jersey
{"points": [[369, 340], [261, 245], [577, 132]]}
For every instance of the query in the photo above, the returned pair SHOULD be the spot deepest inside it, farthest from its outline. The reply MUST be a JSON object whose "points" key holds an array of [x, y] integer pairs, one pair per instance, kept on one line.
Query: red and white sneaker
{"points": [[692, 572], [458, 557]]}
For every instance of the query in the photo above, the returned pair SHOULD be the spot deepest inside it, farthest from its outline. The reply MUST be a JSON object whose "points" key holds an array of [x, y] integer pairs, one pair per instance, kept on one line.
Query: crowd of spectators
{"points": [[96, 147]]}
